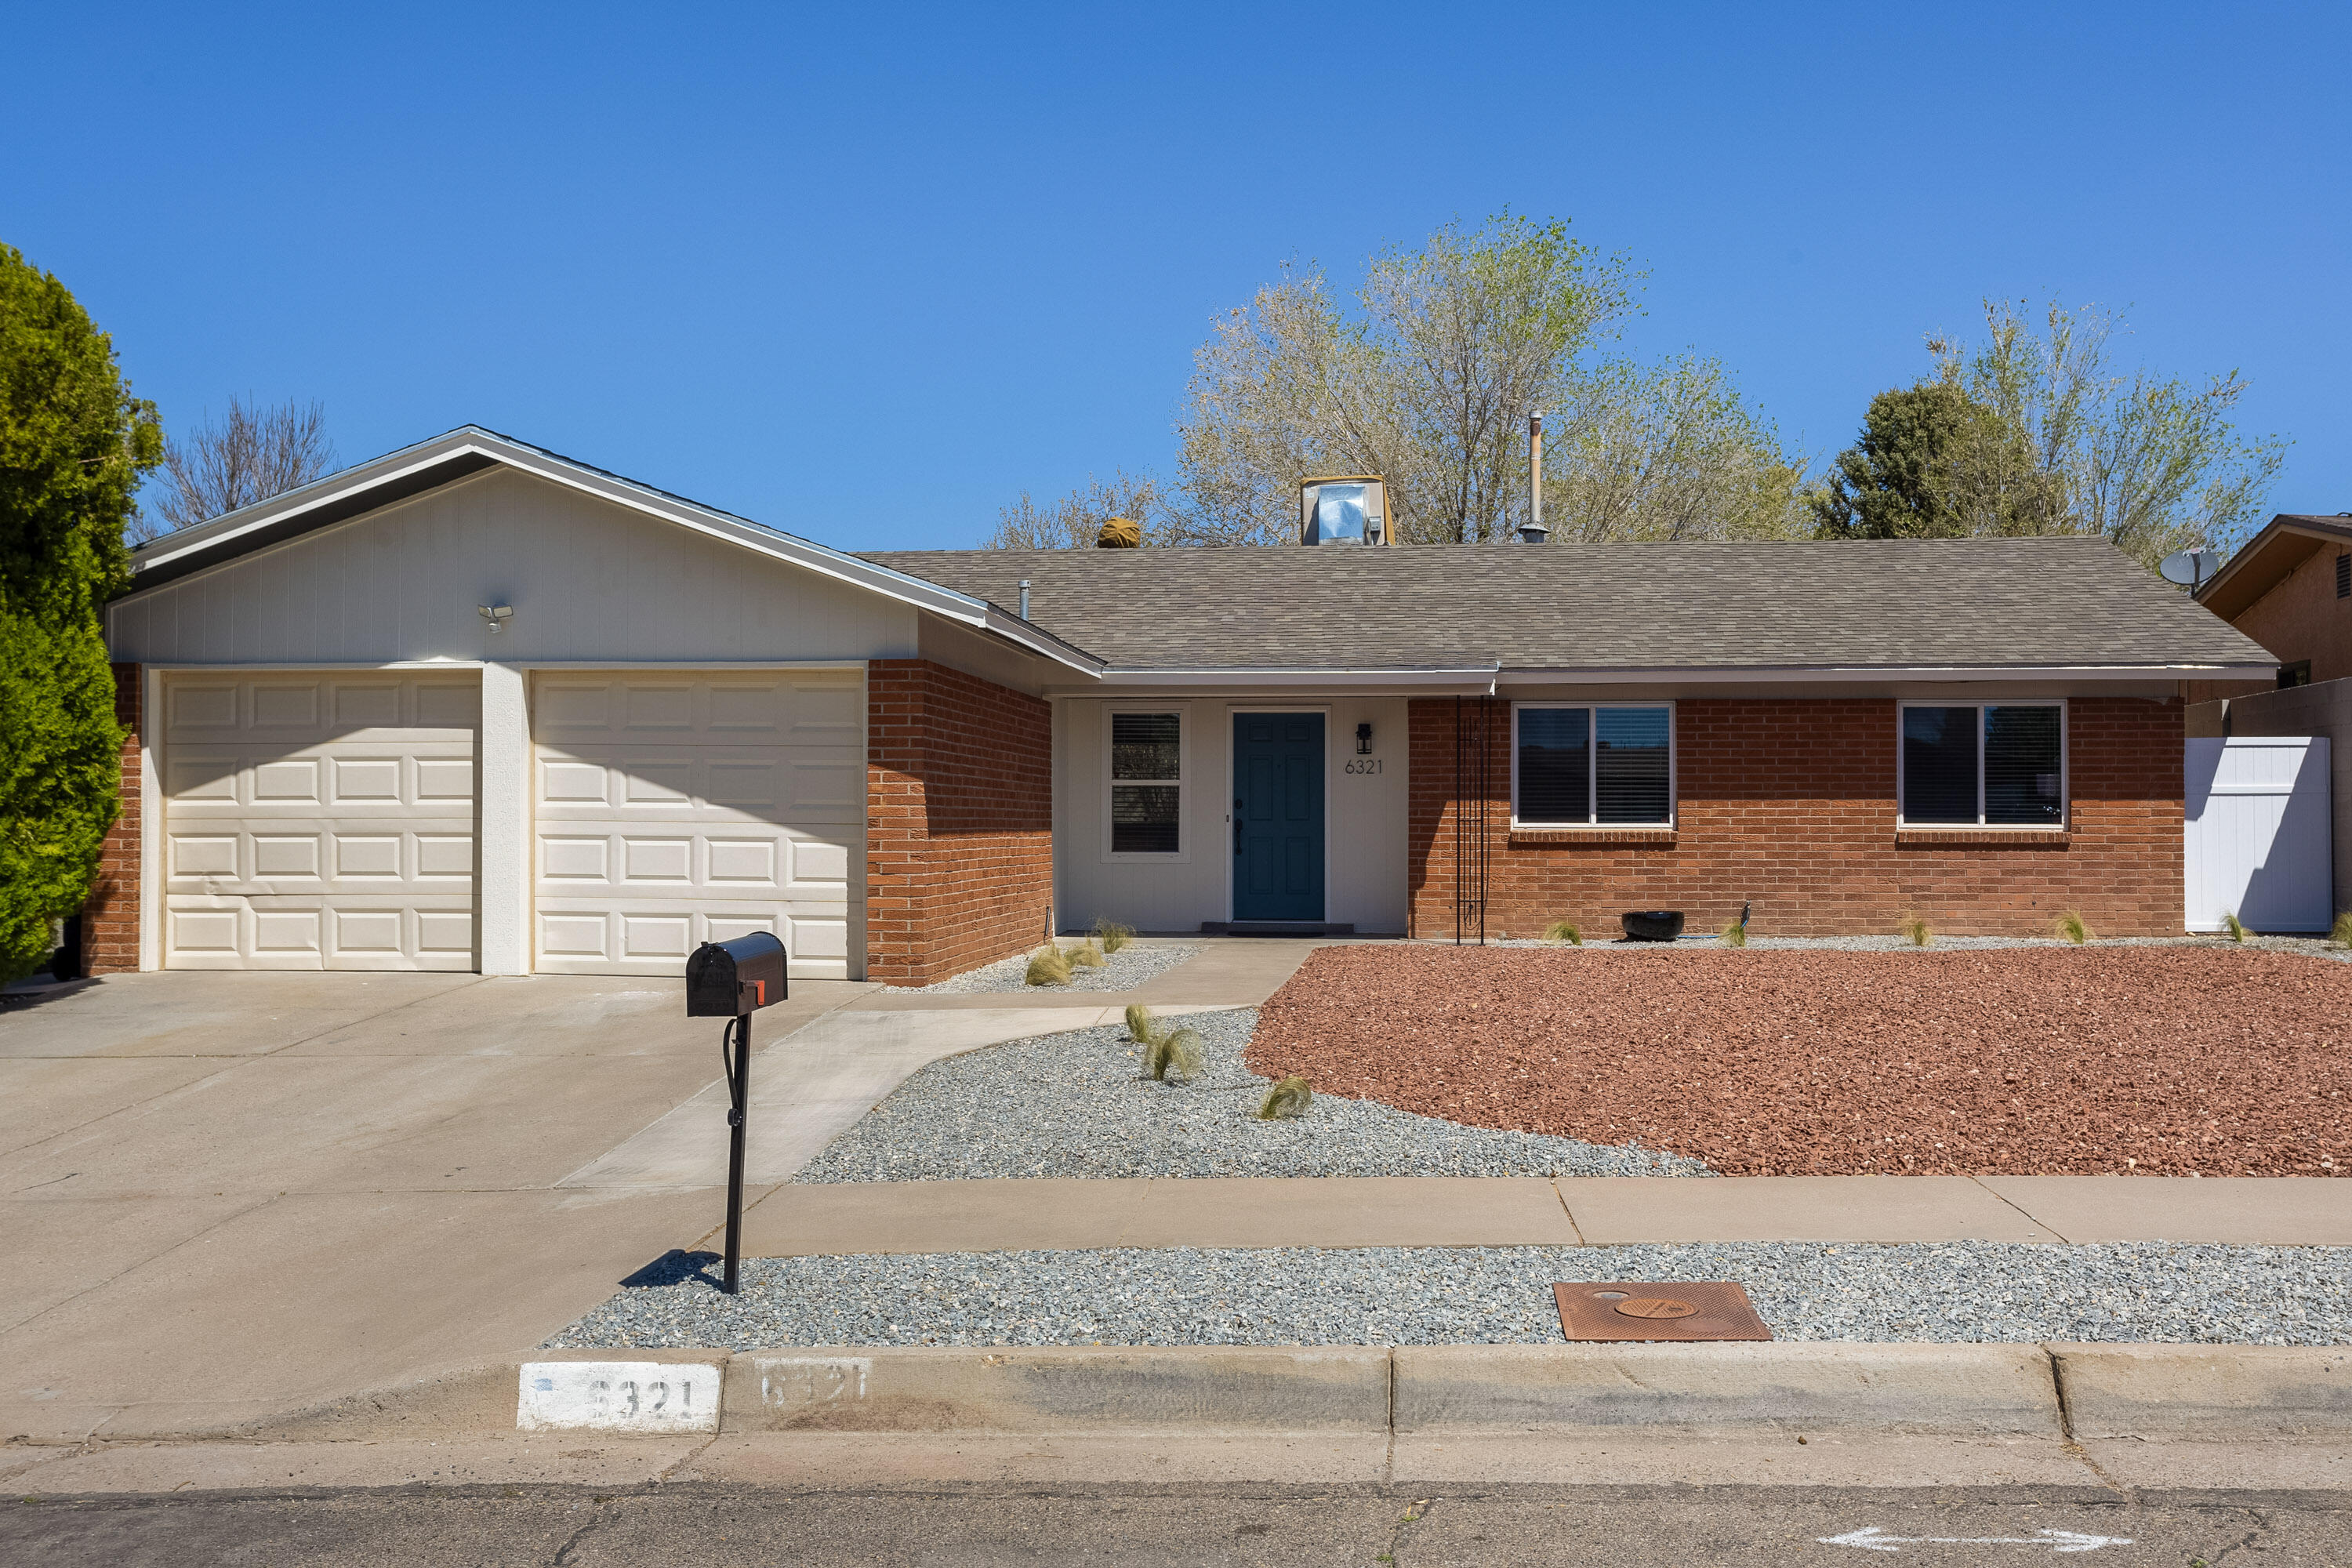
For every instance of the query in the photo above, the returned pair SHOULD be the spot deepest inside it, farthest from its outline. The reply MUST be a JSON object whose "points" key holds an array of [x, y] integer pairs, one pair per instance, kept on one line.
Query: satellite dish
{"points": [[2192, 568]]}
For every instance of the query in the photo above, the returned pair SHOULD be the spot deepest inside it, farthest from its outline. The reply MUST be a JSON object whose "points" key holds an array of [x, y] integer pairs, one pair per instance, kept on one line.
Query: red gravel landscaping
{"points": [[2019, 1061]]}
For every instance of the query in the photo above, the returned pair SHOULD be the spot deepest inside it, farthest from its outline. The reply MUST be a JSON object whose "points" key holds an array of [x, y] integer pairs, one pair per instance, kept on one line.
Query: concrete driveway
{"points": [[228, 1195]]}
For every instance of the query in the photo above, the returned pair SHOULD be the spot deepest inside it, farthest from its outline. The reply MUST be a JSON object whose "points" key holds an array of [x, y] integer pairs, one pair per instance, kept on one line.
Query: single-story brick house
{"points": [[476, 706]]}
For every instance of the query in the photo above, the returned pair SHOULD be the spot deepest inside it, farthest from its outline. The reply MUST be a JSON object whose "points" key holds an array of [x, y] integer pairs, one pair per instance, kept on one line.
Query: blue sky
{"points": [[867, 273]]}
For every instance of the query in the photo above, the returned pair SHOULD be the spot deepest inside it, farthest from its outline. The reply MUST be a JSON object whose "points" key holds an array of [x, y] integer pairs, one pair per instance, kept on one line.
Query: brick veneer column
{"points": [[109, 918], [959, 821], [1790, 804]]}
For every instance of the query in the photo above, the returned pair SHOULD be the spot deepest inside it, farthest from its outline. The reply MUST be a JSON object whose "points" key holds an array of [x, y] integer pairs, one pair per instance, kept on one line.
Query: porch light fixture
{"points": [[497, 615], [1364, 740]]}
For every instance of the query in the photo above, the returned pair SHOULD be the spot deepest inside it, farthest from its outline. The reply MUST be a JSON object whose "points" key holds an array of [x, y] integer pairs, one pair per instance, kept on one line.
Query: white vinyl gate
{"points": [[2258, 824]]}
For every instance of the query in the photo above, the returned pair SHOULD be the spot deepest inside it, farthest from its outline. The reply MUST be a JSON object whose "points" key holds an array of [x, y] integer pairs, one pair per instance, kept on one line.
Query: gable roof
{"points": [[1998, 605], [2262, 563], [469, 449]]}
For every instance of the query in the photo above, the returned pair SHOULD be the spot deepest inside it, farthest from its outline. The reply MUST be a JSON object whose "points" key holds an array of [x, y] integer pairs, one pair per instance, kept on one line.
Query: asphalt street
{"points": [[715, 1527]]}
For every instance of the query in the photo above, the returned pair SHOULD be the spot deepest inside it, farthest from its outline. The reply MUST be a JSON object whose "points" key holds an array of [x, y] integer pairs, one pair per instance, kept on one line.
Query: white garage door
{"points": [[673, 809], [319, 821]]}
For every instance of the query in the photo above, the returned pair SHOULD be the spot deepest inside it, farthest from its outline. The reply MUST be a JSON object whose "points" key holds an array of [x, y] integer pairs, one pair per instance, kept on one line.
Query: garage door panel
{"points": [[312, 822], [678, 808], [657, 935], [794, 785]]}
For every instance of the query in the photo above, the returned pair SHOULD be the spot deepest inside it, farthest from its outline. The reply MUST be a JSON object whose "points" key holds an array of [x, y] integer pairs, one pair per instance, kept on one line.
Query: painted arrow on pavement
{"points": [[1872, 1538]]}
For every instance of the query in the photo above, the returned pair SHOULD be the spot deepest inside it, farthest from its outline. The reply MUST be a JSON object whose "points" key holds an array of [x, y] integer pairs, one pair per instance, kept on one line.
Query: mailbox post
{"points": [[733, 979]]}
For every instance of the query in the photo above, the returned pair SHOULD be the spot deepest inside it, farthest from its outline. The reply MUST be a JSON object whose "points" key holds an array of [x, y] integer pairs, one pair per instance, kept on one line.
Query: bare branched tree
{"points": [[1074, 520], [2071, 446], [1430, 384], [252, 454]]}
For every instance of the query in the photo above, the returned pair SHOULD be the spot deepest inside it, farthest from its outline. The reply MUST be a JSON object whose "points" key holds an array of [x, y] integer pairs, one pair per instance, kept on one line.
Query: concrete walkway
{"points": [[1467, 1211], [810, 1084], [811, 1087]]}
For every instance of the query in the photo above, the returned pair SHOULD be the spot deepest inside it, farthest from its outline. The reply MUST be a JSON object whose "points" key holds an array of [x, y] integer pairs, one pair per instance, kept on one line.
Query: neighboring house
{"points": [[2290, 589], [476, 706]]}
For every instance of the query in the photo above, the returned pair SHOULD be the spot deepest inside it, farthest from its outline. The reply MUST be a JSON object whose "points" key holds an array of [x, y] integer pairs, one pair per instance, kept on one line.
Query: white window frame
{"points": [[1591, 770], [2065, 768], [1182, 781]]}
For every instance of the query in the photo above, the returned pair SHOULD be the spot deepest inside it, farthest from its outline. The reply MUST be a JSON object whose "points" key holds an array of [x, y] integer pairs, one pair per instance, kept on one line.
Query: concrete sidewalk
{"points": [[1463, 1211]]}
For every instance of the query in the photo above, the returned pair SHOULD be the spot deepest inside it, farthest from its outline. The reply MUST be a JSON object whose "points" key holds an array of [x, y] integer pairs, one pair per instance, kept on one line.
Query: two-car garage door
{"points": [[327, 820]]}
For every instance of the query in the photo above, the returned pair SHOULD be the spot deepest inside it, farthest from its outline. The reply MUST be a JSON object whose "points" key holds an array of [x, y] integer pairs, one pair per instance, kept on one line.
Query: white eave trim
{"points": [[1490, 677], [1862, 672], [804, 553], [1480, 676]]}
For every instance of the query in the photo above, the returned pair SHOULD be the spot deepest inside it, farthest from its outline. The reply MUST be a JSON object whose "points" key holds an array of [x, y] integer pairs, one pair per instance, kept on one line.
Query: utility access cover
{"points": [[1651, 1310]]}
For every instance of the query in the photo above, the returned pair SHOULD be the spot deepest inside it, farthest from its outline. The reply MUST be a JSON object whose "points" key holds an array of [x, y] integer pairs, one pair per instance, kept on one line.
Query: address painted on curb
{"points": [[618, 1396]]}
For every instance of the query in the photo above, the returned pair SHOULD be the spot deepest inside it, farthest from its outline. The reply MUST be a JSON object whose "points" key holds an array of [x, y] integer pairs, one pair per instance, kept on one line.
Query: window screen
{"points": [[1580, 766], [1940, 765], [1554, 765], [2021, 766], [1144, 816]]}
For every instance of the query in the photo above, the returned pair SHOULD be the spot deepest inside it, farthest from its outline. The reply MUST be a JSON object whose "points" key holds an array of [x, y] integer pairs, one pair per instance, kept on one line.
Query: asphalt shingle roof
{"points": [[1888, 604]]}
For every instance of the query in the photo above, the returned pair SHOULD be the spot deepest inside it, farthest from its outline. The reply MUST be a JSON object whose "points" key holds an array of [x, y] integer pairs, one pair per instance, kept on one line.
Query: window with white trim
{"points": [[1594, 765], [1988, 765], [1147, 783]]}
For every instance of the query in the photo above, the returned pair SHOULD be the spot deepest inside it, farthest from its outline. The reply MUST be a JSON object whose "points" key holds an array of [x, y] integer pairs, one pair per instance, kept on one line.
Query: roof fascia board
{"points": [[1810, 673], [1481, 676], [1491, 674]]}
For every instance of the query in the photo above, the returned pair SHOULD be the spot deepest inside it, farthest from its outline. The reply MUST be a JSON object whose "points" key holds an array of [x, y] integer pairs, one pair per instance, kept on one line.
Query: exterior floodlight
{"points": [[497, 615]]}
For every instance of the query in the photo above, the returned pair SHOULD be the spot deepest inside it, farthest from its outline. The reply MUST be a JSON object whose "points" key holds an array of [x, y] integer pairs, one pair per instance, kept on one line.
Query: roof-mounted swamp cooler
{"points": [[1344, 509]]}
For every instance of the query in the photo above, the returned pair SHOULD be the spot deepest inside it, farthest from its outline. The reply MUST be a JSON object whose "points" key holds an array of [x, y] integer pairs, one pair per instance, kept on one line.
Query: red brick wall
{"points": [[959, 821], [109, 921], [1790, 804]]}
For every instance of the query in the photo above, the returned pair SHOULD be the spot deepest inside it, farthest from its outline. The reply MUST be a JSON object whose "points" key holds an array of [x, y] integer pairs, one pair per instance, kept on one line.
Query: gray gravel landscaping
{"points": [[1125, 970], [1077, 1104], [1944, 1291]]}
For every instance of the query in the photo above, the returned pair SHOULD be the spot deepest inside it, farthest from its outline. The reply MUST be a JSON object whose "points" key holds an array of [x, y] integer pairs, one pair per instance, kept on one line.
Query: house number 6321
{"points": [[1364, 764]]}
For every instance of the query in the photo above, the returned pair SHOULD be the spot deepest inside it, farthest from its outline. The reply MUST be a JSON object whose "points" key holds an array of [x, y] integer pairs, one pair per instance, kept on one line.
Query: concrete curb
{"points": [[1974, 1391], [1965, 1390]]}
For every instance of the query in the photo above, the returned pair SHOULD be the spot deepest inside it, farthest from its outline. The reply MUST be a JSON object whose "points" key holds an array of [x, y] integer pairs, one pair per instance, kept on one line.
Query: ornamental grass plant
{"points": [[1176, 1051], [1564, 931], [1087, 954], [1286, 1100], [1049, 966], [1112, 936], [2233, 925], [1915, 931], [2072, 928]]}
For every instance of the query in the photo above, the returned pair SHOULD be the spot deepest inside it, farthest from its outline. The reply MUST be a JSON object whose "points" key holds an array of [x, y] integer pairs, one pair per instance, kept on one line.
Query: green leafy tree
{"points": [[73, 445], [2028, 431], [1897, 480]]}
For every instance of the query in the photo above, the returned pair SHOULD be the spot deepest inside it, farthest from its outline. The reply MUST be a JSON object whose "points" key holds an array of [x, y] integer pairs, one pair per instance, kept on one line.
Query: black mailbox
{"points": [[729, 979]]}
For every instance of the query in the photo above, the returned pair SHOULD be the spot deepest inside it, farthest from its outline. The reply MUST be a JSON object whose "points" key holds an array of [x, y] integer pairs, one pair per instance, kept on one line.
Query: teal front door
{"points": [[1278, 817]]}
